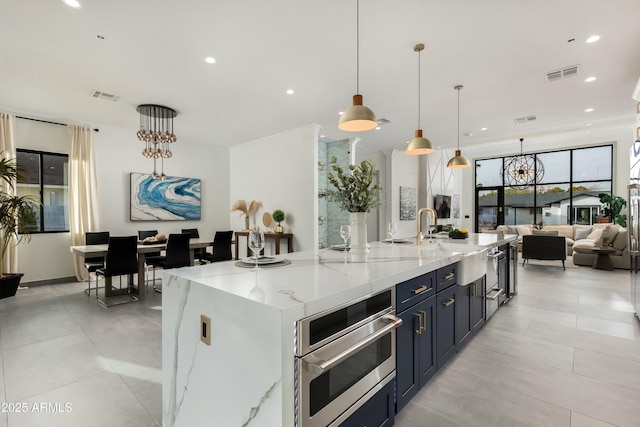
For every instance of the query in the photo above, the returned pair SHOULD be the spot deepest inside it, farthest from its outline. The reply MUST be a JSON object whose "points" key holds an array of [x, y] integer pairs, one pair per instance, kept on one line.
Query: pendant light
{"points": [[357, 117], [459, 161], [523, 170], [418, 145]]}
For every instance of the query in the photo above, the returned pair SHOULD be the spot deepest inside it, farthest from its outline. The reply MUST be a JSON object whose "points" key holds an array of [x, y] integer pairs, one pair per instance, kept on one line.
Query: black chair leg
{"points": [[154, 281]]}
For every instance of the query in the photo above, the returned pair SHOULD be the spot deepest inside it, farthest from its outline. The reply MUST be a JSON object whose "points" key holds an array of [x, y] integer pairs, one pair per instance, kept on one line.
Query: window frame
{"points": [[40, 154], [571, 183]]}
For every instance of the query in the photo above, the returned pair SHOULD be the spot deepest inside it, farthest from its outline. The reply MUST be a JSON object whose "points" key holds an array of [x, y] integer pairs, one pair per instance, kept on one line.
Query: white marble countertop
{"points": [[319, 280]]}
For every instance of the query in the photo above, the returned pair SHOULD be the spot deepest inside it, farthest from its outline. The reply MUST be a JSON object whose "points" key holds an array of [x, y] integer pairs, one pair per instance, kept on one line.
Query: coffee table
{"points": [[603, 260]]}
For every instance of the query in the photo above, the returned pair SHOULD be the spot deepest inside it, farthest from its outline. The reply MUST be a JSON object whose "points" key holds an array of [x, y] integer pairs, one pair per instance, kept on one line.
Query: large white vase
{"points": [[359, 247]]}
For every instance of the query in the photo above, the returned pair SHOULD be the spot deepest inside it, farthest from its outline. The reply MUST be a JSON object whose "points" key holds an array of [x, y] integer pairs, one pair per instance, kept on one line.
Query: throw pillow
{"points": [[620, 242], [583, 233], [512, 229], [544, 233], [523, 230], [608, 234], [595, 234]]}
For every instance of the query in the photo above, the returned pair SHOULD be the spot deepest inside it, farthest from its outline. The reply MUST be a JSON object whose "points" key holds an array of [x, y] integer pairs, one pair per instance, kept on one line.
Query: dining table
{"points": [[91, 251]]}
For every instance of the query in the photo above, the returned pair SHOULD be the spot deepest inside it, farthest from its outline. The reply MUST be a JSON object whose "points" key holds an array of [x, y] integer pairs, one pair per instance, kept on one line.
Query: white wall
{"points": [[118, 152], [280, 171], [403, 171]]}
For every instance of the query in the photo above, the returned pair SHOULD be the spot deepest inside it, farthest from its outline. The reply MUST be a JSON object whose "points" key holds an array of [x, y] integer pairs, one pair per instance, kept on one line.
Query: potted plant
{"points": [[355, 192], [278, 216], [17, 214], [612, 206]]}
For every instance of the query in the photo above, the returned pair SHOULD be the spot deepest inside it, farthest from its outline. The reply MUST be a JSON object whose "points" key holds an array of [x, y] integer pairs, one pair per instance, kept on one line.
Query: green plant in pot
{"points": [[17, 214], [612, 206], [278, 216]]}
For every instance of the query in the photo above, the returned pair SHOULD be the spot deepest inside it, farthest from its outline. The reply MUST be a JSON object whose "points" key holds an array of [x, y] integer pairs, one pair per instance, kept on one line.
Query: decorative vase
{"points": [[246, 222], [278, 229], [359, 247]]}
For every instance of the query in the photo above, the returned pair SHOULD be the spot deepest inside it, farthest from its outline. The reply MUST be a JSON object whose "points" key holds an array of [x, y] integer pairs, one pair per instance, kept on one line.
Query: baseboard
{"points": [[50, 281]]}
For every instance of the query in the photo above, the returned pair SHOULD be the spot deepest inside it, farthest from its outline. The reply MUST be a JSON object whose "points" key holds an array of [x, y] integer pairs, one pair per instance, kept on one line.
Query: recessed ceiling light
{"points": [[590, 79], [483, 128], [587, 124], [439, 148], [290, 92], [340, 113], [593, 39], [377, 127], [210, 60], [467, 134], [588, 110], [72, 3]]}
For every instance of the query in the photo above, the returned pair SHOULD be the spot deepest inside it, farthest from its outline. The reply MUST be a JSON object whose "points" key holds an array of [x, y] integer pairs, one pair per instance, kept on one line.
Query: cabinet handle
{"points": [[473, 290], [420, 290], [448, 303], [424, 314], [419, 330], [449, 276]]}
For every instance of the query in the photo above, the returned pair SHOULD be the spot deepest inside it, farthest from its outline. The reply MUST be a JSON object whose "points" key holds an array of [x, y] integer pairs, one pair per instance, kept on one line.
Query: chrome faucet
{"points": [[435, 222]]}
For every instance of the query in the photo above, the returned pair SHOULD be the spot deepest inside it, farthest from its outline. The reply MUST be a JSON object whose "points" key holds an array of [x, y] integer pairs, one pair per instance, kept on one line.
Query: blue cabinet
{"points": [[415, 339], [463, 315], [445, 325], [478, 290], [415, 350], [376, 412]]}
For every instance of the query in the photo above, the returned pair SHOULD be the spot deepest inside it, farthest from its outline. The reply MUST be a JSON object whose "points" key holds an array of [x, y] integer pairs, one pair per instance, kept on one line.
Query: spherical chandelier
{"points": [[523, 170]]}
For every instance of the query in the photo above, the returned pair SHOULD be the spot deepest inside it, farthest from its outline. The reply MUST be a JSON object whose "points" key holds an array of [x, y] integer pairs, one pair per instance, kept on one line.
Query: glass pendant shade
{"points": [[458, 162], [418, 145], [357, 117]]}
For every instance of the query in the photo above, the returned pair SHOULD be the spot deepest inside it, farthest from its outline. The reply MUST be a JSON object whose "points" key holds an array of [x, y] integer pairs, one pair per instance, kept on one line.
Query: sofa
{"points": [[580, 240]]}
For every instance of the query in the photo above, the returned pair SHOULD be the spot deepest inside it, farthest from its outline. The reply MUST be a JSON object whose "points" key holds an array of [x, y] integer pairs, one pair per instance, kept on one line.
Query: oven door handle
{"points": [[496, 255], [319, 366]]}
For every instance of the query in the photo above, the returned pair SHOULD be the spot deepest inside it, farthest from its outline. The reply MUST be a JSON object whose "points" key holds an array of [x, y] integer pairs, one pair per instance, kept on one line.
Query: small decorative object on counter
{"points": [[267, 220], [462, 233], [278, 216], [356, 193], [246, 211]]}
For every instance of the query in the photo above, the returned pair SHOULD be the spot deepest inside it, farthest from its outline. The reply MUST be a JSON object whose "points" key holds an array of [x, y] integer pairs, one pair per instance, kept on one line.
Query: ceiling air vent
{"points": [[562, 74], [383, 121], [526, 119], [103, 95]]}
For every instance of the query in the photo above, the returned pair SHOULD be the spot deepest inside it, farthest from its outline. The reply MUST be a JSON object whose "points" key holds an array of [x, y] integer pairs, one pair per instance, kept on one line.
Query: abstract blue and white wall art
{"points": [[172, 199]]}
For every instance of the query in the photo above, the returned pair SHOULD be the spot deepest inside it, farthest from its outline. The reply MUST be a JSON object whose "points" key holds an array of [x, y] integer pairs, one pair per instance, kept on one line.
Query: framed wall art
{"points": [[172, 199]]}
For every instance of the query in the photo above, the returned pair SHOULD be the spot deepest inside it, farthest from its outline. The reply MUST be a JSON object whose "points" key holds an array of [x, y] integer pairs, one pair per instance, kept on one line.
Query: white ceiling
{"points": [[153, 51]]}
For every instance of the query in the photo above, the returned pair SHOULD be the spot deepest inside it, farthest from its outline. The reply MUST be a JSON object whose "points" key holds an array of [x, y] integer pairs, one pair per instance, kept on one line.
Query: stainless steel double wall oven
{"points": [[343, 357]]}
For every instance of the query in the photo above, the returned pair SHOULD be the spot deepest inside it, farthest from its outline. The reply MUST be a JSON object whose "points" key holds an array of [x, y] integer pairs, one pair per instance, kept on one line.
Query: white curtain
{"points": [[83, 191], [8, 151]]}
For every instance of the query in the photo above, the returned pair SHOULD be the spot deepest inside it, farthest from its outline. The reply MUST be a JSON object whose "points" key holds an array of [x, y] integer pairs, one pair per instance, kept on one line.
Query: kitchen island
{"points": [[245, 375]]}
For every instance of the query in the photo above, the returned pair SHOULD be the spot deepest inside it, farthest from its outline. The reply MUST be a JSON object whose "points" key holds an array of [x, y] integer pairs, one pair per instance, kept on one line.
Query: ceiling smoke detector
{"points": [[563, 73], [526, 119], [103, 95]]}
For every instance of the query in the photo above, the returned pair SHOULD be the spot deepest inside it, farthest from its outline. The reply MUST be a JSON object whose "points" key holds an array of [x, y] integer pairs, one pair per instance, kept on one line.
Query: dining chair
{"points": [[94, 263], [221, 247], [121, 259], [198, 253], [143, 234], [177, 255]]}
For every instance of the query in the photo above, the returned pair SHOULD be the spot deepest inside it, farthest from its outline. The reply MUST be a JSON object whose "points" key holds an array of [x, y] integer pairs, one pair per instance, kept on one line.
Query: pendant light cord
{"points": [[357, 46], [458, 119], [419, 88]]}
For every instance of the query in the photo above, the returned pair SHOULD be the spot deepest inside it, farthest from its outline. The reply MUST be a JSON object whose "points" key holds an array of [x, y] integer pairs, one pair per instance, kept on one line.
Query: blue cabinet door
{"points": [[477, 304], [445, 325], [427, 340], [415, 350], [463, 314], [376, 412]]}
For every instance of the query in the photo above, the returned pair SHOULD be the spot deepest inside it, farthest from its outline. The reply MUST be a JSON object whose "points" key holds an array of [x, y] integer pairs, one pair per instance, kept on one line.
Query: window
{"points": [[44, 175], [567, 193]]}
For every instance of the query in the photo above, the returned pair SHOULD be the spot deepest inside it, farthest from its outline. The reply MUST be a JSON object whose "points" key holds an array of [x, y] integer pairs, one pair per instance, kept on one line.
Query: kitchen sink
{"points": [[473, 264]]}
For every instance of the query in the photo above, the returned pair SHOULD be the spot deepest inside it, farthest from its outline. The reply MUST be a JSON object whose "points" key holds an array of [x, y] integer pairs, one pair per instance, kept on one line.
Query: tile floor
{"points": [[564, 352]]}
